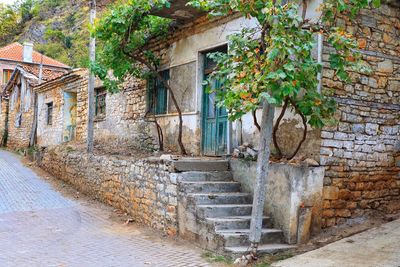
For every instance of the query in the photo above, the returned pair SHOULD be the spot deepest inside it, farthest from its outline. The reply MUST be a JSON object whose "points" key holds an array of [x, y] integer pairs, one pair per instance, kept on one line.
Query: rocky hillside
{"points": [[58, 28]]}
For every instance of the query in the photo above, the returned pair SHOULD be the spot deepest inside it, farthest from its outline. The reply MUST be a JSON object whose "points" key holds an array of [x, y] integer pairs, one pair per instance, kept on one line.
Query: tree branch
{"points": [[305, 128], [276, 127], [255, 120]]}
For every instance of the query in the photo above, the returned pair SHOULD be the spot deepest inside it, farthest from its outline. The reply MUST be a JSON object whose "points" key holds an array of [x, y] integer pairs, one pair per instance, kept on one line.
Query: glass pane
{"points": [[211, 105]]}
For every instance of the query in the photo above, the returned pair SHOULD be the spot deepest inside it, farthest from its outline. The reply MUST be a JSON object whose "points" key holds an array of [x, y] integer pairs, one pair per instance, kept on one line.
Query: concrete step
{"points": [[221, 198], [236, 222], [205, 176], [210, 187], [264, 249], [203, 165], [224, 210], [240, 237]]}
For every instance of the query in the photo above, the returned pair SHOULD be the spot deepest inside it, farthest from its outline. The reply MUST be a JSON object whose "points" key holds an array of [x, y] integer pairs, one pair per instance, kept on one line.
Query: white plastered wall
{"points": [[190, 49]]}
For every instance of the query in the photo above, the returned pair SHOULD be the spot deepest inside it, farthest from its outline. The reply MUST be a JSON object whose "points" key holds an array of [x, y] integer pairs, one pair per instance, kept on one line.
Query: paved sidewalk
{"points": [[40, 227], [378, 247]]}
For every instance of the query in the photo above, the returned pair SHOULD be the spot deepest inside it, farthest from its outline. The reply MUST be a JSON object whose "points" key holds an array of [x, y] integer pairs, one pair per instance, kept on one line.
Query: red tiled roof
{"points": [[47, 74], [15, 52]]}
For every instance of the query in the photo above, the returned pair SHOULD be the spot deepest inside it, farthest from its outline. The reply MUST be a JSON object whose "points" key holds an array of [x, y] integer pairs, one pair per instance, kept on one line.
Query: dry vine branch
{"points": [[277, 124], [276, 127], [305, 128], [137, 57], [255, 120], [158, 127]]}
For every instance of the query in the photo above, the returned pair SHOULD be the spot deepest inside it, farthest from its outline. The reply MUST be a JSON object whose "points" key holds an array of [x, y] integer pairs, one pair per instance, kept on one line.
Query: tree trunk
{"points": [[91, 104], [268, 113], [32, 140]]}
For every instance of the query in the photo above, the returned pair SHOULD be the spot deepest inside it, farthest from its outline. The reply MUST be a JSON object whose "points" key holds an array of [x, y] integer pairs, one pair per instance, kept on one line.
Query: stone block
{"points": [[332, 143], [358, 128], [331, 192], [328, 213], [343, 213], [326, 151], [371, 128], [368, 21], [344, 194], [326, 135], [341, 136], [385, 66]]}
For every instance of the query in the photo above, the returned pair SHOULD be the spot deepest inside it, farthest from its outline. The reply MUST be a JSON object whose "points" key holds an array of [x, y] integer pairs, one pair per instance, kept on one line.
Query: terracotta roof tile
{"points": [[15, 52], [47, 75]]}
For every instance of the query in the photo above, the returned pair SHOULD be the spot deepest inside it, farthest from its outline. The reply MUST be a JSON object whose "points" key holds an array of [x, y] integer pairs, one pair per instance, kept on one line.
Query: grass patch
{"points": [[214, 258]]}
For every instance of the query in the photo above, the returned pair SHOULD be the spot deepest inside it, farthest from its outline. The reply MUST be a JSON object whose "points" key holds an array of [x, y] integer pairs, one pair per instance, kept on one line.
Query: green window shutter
{"points": [[162, 94], [150, 95], [157, 94]]}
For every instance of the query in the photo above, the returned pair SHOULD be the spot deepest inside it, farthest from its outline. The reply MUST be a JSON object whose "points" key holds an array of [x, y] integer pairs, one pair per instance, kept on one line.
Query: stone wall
{"points": [[125, 124], [359, 153], [50, 134], [142, 187], [19, 135], [3, 116]]}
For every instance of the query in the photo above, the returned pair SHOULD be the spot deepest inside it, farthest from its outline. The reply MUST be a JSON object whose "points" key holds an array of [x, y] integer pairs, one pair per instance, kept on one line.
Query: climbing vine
{"points": [[274, 61], [124, 33]]}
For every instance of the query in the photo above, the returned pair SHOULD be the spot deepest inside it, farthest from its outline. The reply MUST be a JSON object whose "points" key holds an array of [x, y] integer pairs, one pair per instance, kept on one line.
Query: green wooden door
{"points": [[215, 119]]}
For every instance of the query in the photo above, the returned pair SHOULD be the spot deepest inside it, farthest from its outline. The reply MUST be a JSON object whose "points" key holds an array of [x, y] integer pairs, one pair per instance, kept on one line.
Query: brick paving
{"points": [[41, 227]]}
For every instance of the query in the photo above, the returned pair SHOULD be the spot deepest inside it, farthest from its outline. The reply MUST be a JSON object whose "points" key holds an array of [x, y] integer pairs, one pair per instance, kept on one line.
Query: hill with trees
{"points": [[58, 28]]}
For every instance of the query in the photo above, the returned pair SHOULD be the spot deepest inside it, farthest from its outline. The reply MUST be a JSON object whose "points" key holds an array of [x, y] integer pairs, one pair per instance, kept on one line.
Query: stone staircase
{"points": [[215, 213]]}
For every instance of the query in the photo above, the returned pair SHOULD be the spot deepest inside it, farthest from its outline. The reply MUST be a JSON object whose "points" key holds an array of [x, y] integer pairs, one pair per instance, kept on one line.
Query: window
{"points": [[157, 94], [6, 76], [49, 113], [100, 95]]}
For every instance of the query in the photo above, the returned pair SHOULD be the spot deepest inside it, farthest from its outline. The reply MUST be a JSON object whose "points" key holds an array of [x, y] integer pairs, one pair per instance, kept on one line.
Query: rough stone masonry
{"points": [[360, 153], [142, 187]]}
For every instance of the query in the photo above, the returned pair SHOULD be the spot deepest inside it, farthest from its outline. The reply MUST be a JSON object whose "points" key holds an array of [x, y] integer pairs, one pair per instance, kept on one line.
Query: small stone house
{"points": [[58, 108], [20, 108], [22, 68]]}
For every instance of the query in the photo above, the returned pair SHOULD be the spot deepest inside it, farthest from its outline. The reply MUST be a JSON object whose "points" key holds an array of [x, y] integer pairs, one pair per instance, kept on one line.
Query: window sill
{"points": [[99, 118]]}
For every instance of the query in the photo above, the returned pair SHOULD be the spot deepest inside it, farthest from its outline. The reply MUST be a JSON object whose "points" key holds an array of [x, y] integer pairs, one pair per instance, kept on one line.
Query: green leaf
{"points": [[376, 3]]}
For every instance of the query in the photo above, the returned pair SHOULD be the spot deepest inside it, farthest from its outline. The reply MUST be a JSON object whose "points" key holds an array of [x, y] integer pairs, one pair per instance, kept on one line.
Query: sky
{"points": [[7, 1]]}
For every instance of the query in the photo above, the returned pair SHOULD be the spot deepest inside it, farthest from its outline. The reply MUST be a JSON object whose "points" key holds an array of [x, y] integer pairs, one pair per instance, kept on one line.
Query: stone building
{"points": [[16, 54], [359, 157], [21, 69], [360, 154], [58, 105]]}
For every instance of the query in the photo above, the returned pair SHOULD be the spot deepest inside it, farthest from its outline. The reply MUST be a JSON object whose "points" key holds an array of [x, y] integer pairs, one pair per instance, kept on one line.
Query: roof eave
{"points": [[179, 11]]}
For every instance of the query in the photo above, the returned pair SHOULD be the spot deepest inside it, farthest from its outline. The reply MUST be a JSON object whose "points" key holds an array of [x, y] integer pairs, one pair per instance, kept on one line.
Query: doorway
{"points": [[70, 104], [214, 118]]}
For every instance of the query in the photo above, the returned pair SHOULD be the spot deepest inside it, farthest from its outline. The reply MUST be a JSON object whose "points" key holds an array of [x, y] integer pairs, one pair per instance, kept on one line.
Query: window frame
{"points": [[100, 92], [49, 113], [9, 73], [155, 88]]}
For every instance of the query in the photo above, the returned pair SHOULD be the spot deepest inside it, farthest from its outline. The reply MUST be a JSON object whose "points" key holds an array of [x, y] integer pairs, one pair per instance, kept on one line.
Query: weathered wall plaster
{"points": [[290, 191]]}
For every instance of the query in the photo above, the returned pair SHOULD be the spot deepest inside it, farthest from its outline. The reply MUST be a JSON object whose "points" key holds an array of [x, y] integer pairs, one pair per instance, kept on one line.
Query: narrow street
{"points": [[377, 247], [41, 227]]}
